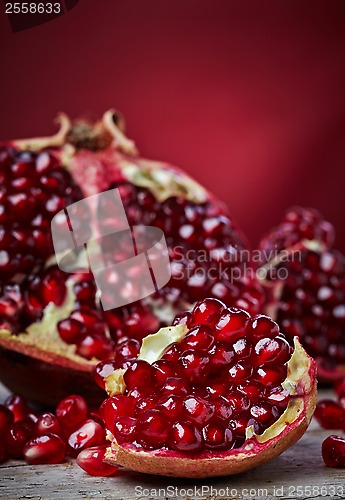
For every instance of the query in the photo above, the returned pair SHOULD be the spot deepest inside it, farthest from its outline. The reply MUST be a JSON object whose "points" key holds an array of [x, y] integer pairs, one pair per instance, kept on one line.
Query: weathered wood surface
{"points": [[297, 473]]}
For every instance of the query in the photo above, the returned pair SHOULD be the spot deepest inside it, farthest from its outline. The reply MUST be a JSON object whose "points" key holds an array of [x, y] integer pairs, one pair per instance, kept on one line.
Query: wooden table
{"points": [[297, 473]]}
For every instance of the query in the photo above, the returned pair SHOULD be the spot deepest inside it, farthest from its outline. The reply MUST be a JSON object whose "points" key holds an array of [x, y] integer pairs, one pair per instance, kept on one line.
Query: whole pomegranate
{"points": [[215, 394], [53, 329], [304, 277]]}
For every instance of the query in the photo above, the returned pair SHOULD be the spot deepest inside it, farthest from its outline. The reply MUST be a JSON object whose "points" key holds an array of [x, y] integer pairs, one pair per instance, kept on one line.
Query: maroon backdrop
{"points": [[249, 97]]}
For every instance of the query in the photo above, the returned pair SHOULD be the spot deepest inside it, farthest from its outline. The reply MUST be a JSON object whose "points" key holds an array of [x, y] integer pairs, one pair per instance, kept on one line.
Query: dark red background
{"points": [[249, 97]]}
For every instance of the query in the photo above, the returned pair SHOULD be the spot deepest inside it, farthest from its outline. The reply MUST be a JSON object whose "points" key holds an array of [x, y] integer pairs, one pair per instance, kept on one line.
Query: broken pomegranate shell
{"points": [[233, 398], [304, 278], [53, 330]]}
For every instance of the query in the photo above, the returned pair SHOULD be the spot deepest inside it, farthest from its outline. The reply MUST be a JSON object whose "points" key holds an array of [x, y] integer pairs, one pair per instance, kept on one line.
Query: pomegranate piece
{"points": [[333, 451], [44, 449], [330, 414], [203, 395], [91, 460], [72, 411], [90, 433], [305, 285]]}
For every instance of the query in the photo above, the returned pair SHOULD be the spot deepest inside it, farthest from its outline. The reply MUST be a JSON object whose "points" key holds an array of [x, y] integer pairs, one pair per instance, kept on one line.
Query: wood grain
{"points": [[301, 466]]}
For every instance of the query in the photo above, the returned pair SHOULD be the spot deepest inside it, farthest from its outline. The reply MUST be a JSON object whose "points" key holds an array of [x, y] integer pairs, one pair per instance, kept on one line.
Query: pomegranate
{"points": [[304, 277], [215, 394], [53, 330]]}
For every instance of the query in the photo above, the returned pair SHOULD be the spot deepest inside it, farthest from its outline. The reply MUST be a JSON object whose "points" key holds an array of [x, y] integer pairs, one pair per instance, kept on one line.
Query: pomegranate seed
{"points": [[197, 410], [126, 429], [333, 451], [217, 436], [115, 407], [199, 337], [171, 405], [144, 404], [138, 375], [162, 369], [269, 350], [220, 356], [330, 414], [47, 423], [90, 433], [216, 389], [231, 325], [99, 347], [182, 319], [44, 449], [6, 419], [173, 353], [270, 376], [242, 348], [15, 439], [72, 411], [185, 437], [207, 312], [153, 428], [224, 409], [279, 397], [264, 413], [71, 331], [194, 365], [18, 406], [175, 386], [127, 349], [91, 460], [239, 372], [102, 370], [262, 326]]}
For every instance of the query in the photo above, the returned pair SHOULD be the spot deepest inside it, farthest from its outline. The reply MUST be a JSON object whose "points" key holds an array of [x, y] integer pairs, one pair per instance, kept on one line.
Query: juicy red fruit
{"points": [[45, 449], [333, 451], [91, 460], [71, 411], [207, 389]]}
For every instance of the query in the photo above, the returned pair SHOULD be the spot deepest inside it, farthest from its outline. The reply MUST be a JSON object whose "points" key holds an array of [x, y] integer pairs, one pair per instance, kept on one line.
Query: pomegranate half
{"points": [[305, 282], [53, 330], [215, 394]]}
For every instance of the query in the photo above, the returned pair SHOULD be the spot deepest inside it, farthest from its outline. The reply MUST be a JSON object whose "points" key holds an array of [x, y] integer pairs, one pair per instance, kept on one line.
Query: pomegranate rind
{"points": [[300, 382]]}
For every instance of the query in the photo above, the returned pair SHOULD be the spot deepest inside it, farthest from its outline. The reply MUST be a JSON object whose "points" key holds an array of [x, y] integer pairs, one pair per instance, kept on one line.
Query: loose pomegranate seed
{"points": [[185, 437], [6, 419], [18, 406], [217, 436], [47, 423], [45, 449], [91, 460], [15, 439], [90, 433], [330, 414], [72, 411], [153, 428], [333, 451]]}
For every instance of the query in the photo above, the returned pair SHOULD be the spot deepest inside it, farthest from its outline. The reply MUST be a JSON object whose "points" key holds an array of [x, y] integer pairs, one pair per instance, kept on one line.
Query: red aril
{"points": [[72, 411], [333, 451], [90, 433], [45, 449], [91, 460]]}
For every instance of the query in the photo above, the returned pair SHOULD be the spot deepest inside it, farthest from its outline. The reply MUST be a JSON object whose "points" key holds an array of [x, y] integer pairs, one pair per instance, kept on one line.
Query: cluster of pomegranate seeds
{"points": [[48, 438], [203, 393], [33, 188], [312, 299]]}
